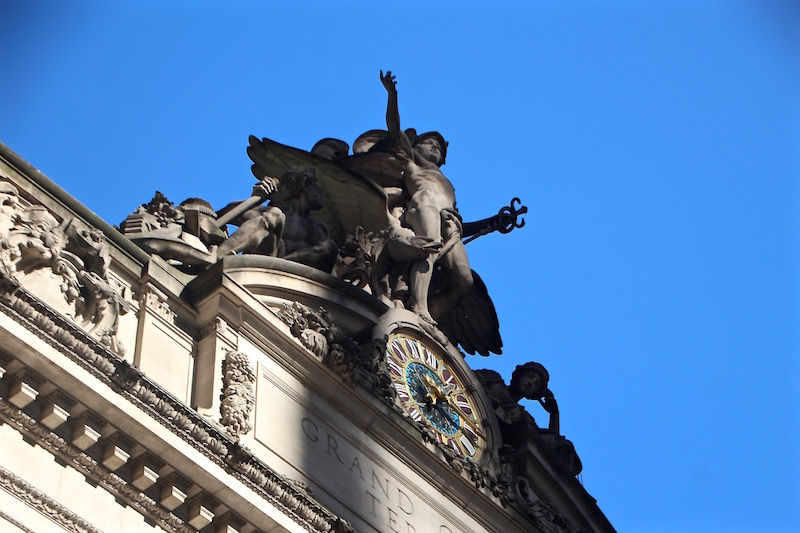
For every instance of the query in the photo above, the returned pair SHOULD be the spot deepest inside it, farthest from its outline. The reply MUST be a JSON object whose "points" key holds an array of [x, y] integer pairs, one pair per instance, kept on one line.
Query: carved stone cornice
{"points": [[41, 502], [90, 467], [55, 329], [183, 421]]}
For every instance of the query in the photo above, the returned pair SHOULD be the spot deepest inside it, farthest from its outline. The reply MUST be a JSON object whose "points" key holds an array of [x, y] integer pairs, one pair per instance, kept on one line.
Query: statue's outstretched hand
{"points": [[265, 187], [389, 81]]}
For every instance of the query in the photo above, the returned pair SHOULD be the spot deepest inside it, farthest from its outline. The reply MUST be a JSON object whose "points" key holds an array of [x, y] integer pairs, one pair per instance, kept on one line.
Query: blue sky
{"points": [[656, 144]]}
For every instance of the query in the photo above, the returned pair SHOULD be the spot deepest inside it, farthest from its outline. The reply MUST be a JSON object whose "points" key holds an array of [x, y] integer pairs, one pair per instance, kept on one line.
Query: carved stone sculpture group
{"points": [[383, 218]]}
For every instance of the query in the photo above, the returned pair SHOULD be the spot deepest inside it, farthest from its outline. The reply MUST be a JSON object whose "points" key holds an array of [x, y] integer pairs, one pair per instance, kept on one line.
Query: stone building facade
{"points": [[258, 394]]}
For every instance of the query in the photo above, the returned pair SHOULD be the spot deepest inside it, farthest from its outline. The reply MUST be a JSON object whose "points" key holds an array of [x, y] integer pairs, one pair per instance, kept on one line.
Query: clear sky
{"points": [[656, 144]]}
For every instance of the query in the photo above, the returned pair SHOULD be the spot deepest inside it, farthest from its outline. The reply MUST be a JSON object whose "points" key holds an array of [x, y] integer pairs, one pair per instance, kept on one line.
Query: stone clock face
{"points": [[429, 391]]}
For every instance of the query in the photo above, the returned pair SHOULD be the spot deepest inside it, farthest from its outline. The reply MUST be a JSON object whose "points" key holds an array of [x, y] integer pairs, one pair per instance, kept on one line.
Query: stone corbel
{"points": [[116, 450], [200, 510], [24, 388], [86, 429], [173, 490], [229, 522], [144, 471], [55, 409]]}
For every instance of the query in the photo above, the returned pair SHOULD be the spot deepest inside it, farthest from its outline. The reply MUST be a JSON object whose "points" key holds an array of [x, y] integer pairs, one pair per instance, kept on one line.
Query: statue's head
{"points": [[529, 381], [300, 182], [332, 149], [431, 146], [198, 204]]}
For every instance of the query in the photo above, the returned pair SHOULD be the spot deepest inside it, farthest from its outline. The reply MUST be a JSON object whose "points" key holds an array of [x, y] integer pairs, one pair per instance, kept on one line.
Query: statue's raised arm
{"points": [[393, 115]]}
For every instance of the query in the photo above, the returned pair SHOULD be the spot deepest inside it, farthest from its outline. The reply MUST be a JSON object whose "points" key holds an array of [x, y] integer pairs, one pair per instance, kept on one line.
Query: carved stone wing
{"points": [[350, 200], [473, 322]]}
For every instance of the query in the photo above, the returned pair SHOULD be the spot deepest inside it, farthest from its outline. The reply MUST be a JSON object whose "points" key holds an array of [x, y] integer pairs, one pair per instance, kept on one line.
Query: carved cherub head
{"points": [[529, 381]]}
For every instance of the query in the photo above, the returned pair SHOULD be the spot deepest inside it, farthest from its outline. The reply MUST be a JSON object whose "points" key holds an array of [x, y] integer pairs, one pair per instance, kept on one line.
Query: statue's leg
{"points": [[321, 256], [265, 228], [421, 273], [424, 215]]}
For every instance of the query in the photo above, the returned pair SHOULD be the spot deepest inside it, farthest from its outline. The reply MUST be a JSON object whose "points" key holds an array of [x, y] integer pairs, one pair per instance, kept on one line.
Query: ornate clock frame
{"points": [[435, 388]]}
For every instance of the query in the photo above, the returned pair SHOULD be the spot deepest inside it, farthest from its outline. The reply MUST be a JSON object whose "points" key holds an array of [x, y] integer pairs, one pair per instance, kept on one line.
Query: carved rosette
{"points": [[238, 397]]}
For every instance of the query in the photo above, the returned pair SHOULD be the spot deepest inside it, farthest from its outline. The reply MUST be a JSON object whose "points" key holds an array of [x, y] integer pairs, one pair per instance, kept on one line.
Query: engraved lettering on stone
{"points": [[390, 506]]}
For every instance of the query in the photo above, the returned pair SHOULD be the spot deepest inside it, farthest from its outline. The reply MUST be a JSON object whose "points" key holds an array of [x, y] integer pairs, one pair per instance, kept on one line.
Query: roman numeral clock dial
{"points": [[430, 392]]}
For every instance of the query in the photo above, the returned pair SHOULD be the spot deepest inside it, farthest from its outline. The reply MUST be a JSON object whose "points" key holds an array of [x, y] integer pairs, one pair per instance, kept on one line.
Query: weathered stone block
{"points": [[229, 523], [200, 510], [86, 430], [55, 409], [24, 388], [173, 491], [116, 451], [144, 471]]}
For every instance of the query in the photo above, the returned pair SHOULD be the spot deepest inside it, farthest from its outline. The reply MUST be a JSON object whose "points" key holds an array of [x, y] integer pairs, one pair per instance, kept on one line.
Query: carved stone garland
{"points": [[238, 397]]}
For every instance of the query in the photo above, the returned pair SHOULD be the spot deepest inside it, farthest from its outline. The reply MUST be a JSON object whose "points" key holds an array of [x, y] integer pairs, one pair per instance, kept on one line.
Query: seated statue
{"points": [[529, 381], [193, 236], [285, 227]]}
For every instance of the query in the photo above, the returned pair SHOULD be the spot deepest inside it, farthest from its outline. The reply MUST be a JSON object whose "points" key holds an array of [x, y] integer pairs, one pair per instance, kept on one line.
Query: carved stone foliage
{"points": [[65, 262], [318, 332], [183, 421], [238, 396], [374, 361], [156, 214]]}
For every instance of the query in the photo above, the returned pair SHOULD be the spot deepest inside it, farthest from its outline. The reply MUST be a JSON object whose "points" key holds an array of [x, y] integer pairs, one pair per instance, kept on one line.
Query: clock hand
{"points": [[450, 397]]}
